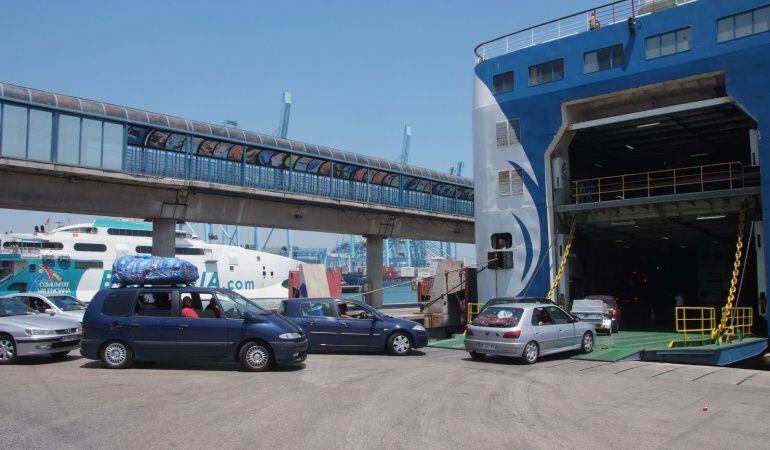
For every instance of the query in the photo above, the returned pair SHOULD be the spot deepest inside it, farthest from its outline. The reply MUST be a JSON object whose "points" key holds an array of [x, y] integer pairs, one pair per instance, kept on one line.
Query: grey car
{"points": [[25, 332], [527, 331], [61, 305]]}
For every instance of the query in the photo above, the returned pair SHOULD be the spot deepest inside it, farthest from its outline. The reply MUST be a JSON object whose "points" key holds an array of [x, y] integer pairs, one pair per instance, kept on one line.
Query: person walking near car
{"points": [[679, 300]]}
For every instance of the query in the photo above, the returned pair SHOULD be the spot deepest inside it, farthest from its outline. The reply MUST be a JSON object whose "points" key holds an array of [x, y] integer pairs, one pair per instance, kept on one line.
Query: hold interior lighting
{"points": [[717, 216], [645, 125]]}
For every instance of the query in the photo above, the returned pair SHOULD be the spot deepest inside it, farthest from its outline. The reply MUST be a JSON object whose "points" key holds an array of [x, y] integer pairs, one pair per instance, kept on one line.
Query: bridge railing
{"points": [[590, 19], [168, 164]]}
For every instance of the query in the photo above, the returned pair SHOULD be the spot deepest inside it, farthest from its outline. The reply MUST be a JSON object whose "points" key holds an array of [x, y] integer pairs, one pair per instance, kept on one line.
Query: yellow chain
{"points": [[563, 261], [720, 330]]}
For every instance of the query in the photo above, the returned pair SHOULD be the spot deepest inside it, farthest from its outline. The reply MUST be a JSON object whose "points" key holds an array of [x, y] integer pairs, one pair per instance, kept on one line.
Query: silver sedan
{"points": [[24, 332], [527, 331]]}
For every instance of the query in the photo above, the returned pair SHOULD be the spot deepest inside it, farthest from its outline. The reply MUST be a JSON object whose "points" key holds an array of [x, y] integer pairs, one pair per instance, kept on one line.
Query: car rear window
{"points": [[118, 303], [498, 317]]}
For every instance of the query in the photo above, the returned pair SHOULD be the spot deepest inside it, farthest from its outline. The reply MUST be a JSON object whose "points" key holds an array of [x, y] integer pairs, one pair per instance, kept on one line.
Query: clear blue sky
{"points": [[358, 70]]}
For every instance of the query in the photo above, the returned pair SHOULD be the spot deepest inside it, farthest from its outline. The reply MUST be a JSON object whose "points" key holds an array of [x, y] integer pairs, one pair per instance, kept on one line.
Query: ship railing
{"points": [[590, 19], [24, 252], [684, 180]]}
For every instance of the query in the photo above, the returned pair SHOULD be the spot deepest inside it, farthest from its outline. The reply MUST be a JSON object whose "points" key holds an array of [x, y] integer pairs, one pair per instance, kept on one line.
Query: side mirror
{"points": [[576, 318], [50, 311], [249, 316]]}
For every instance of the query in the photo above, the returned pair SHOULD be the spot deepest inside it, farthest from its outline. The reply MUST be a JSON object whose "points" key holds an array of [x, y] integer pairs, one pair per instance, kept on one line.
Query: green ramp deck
{"points": [[607, 348], [627, 344]]}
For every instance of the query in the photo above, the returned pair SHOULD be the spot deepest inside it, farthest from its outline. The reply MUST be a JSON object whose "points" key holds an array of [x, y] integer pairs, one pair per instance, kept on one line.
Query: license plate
{"points": [[487, 346], [69, 338]]}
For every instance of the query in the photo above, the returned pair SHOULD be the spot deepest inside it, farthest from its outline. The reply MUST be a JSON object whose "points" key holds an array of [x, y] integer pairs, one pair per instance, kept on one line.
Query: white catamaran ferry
{"points": [[77, 260]]}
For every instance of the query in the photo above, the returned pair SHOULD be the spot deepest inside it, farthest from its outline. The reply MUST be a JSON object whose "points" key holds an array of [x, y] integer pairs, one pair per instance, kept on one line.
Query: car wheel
{"points": [[476, 356], [60, 355], [587, 343], [7, 349], [256, 357], [399, 344], [531, 353], [117, 355]]}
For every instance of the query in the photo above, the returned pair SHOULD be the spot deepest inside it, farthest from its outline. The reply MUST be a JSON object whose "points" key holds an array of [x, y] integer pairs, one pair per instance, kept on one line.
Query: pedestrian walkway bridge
{"points": [[55, 136]]}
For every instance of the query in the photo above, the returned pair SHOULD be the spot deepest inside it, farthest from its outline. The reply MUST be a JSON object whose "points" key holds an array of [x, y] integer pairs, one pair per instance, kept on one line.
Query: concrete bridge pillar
{"points": [[164, 237], [374, 268]]}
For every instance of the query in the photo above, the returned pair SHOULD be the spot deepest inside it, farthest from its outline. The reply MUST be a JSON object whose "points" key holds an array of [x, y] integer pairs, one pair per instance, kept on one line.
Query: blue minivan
{"points": [[122, 325], [335, 324]]}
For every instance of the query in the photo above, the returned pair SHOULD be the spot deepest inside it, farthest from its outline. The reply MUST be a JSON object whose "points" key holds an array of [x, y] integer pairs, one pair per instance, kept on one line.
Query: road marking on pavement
{"points": [[630, 368], [664, 372], [705, 375], [747, 378], [597, 365]]}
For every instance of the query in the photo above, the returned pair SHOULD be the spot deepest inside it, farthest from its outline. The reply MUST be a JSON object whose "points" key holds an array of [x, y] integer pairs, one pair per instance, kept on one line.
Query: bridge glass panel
{"points": [[14, 143], [91, 143], [40, 128], [68, 144], [112, 157]]}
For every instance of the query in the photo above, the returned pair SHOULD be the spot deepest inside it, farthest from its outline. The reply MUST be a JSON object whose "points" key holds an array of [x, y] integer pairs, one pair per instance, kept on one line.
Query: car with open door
{"points": [[526, 331], [346, 325], [155, 323]]}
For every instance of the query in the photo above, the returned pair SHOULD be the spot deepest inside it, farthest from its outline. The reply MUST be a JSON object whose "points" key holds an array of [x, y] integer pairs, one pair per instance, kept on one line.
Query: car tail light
{"points": [[468, 331], [512, 334], [599, 326], [614, 313]]}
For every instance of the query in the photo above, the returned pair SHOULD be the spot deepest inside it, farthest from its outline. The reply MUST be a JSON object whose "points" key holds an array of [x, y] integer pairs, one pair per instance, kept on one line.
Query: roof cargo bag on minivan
{"points": [[146, 269]]}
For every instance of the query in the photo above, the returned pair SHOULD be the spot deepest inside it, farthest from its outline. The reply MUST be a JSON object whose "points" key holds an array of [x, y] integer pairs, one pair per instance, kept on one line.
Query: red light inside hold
{"points": [[512, 334], [636, 298], [468, 331]]}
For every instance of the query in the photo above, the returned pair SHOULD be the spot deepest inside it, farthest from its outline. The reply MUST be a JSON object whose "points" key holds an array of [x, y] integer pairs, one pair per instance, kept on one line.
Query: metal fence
{"points": [[583, 21]]}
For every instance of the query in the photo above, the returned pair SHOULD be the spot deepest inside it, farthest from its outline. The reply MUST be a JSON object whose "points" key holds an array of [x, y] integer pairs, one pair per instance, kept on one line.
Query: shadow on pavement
{"points": [[197, 366]]}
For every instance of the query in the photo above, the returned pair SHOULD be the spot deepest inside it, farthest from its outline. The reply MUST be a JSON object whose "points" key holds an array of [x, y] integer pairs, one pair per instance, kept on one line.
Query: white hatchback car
{"points": [[59, 305]]}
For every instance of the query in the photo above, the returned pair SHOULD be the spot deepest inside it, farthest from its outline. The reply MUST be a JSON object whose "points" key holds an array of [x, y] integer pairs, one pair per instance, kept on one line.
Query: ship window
{"points": [[125, 232], [89, 265], [53, 245], [743, 24], [502, 83], [669, 43], [546, 72], [14, 143], [146, 249], [32, 268], [603, 59], [189, 251], [508, 133], [86, 230], [502, 241], [504, 181], [81, 247]]}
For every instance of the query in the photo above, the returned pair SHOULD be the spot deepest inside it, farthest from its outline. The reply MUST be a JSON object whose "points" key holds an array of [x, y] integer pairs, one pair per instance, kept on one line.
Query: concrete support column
{"points": [[164, 237], [374, 268]]}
